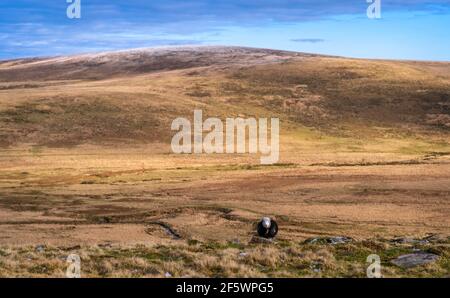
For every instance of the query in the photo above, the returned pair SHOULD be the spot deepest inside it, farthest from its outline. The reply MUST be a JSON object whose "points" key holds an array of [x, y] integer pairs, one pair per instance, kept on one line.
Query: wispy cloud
{"points": [[29, 28], [308, 40]]}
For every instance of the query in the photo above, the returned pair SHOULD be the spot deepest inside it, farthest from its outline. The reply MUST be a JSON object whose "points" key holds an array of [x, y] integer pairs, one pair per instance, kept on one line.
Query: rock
{"points": [[316, 267], [415, 259], [257, 239], [167, 275], [316, 240], [339, 240], [431, 238], [407, 240], [105, 245], [243, 254], [236, 241], [435, 238], [40, 248], [329, 240]]}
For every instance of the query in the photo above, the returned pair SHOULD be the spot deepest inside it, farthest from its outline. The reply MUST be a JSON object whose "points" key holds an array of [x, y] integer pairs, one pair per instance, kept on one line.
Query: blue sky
{"points": [[413, 29]]}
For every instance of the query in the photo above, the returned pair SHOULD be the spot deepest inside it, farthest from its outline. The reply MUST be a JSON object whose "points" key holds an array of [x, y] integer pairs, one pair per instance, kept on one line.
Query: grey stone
{"points": [[314, 240], [236, 241], [435, 238], [339, 240], [257, 239], [316, 267], [40, 248], [329, 240], [415, 259], [105, 245], [407, 240], [431, 238]]}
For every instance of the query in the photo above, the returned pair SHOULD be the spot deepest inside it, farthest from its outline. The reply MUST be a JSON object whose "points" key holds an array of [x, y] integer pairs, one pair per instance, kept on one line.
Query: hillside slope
{"points": [[132, 96]]}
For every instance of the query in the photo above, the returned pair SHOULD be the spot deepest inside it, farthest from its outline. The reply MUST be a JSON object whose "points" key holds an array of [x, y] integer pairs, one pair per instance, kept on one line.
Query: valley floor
{"points": [[134, 213]]}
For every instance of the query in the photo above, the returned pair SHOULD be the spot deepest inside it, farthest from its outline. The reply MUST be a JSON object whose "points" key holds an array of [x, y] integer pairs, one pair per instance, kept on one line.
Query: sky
{"points": [[412, 29]]}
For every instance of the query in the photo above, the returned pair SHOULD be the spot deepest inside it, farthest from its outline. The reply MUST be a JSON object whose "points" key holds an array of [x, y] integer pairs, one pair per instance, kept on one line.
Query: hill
{"points": [[131, 96]]}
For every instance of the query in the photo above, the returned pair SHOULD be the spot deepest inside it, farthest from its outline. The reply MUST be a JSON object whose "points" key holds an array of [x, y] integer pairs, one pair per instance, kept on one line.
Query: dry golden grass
{"points": [[222, 259]]}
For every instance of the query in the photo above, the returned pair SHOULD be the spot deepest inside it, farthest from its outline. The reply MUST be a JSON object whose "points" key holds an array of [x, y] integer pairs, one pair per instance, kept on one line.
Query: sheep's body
{"points": [[267, 232]]}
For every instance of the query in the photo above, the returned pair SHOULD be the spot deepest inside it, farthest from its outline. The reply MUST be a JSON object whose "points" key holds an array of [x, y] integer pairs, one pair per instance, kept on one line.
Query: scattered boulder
{"points": [[415, 259], [316, 267], [408, 240], [339, 240], [236, 241], [329, 240], [40, 248], [436, 238], [243, 254], [431, 238], [105, 245], [261, 240]]}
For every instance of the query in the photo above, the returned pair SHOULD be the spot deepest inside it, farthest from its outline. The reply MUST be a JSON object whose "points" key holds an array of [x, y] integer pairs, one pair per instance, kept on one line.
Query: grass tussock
{"points": [[226, 260]]}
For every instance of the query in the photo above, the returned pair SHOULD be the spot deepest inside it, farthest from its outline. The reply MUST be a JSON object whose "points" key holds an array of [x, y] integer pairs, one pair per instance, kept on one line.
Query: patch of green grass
{"points": [[221, 245], [352, 253], [3, 253], [36, 150], [423, 147], [393, 252], [42, 269], [192, 242]]}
